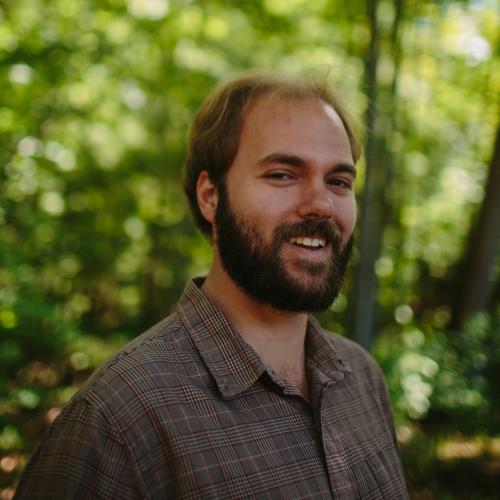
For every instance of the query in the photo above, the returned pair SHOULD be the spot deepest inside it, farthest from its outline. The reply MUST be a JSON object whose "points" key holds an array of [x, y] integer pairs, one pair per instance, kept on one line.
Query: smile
{"points": [[308, 242]]}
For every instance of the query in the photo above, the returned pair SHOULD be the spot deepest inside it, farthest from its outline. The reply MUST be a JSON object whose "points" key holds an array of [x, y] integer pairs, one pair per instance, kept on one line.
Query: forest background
{"points": [[96, 242]]}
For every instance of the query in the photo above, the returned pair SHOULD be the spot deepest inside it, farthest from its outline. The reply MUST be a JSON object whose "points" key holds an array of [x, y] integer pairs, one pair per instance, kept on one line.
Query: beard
{"points": [[260, 271]]}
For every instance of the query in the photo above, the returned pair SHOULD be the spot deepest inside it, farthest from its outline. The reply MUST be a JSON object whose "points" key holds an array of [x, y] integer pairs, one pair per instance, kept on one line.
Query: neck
{"points": [[277, 336]]}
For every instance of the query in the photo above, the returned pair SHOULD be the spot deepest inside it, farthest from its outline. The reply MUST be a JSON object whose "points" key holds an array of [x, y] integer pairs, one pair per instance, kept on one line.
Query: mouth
{"points": [[314, 243]]}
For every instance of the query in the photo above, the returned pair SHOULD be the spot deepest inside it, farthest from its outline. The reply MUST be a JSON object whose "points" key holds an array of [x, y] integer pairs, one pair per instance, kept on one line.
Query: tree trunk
{"points": [[475, 284], [374, 205], [364, 286]]}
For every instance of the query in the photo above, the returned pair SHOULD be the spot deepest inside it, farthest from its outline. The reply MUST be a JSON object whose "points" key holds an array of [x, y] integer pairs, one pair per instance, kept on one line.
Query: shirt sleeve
{"points": [[81, 457]]}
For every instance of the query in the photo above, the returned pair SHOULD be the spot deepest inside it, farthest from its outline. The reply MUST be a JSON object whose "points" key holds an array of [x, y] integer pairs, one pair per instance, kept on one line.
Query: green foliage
{"points": [[441, 376], [96, 241]]}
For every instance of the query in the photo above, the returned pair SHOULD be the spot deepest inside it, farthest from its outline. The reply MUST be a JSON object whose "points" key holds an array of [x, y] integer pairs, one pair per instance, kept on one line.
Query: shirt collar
{"points": [[234, 364], [324, 362]]}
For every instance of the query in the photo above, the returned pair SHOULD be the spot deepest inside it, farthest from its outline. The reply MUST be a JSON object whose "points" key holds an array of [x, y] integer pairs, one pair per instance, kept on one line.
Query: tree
{"points": [[376, 205], [476, 280]]}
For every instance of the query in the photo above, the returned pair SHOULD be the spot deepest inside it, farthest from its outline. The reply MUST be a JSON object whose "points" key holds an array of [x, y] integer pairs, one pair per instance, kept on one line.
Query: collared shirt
{"points": [[188, 410]]}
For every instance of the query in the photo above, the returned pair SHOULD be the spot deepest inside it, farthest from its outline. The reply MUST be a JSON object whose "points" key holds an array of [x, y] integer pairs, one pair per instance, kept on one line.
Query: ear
{"points": [[207, 196]]}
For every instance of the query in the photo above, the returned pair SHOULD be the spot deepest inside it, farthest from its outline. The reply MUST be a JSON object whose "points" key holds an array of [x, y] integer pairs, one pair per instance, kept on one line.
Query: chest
{"points": [[264, 444]]}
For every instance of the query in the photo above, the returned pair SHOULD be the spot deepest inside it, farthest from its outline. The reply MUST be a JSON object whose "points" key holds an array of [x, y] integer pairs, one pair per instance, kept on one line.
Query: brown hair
{"points": [[215, 133]]}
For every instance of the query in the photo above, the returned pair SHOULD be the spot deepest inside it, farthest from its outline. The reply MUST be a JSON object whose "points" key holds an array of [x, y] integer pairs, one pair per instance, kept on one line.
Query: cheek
{"points": [[348, 218], [268, 207]]}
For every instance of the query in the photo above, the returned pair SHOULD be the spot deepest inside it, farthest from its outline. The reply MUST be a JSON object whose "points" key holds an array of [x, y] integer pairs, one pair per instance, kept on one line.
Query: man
{"points": [[239, 393]]}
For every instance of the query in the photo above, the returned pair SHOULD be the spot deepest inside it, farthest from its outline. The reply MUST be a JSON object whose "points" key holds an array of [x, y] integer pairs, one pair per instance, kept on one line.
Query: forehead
{"points": [[272, 119]]}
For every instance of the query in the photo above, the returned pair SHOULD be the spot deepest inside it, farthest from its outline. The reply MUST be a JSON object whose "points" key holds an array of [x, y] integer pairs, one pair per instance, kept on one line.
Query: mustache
{"points": [[308, 229]]}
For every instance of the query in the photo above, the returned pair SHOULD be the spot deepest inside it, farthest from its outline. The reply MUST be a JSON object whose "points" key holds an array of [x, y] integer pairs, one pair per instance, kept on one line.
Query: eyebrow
{"points": [[297, 161]]}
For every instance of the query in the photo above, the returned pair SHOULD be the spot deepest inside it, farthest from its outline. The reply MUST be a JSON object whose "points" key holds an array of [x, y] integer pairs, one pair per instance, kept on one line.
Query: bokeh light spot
{"points": [[403, 314], [149, 9], [52, 203], [21, 74]]}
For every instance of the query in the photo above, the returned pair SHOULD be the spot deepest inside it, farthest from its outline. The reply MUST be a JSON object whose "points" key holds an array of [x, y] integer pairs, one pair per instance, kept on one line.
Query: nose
{"points": [[316, 202]]}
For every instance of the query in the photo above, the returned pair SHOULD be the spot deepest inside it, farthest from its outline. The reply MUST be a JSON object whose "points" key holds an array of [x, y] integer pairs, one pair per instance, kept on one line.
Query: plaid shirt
{"points": [[188, 410]]}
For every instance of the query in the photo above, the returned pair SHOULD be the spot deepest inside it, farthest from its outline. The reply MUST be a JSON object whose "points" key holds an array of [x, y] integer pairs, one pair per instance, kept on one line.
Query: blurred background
{"points": [[96, 242]]}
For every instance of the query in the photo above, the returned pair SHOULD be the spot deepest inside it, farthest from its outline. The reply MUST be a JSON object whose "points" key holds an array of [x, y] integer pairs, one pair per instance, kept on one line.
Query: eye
{"points": [[280, 176], [340, 182]]}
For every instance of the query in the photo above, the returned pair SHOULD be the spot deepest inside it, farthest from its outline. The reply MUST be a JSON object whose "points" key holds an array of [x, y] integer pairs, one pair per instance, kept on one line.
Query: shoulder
{"points": [[105, 431], [158, 360]]}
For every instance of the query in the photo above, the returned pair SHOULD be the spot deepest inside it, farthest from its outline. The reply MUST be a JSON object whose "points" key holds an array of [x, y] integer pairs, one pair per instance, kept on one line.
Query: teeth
{"points": [[309, 242]]}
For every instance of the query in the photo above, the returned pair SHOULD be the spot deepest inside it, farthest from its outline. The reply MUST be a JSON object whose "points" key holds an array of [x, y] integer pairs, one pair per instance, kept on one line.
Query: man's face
{"points": [[285, 215]]}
